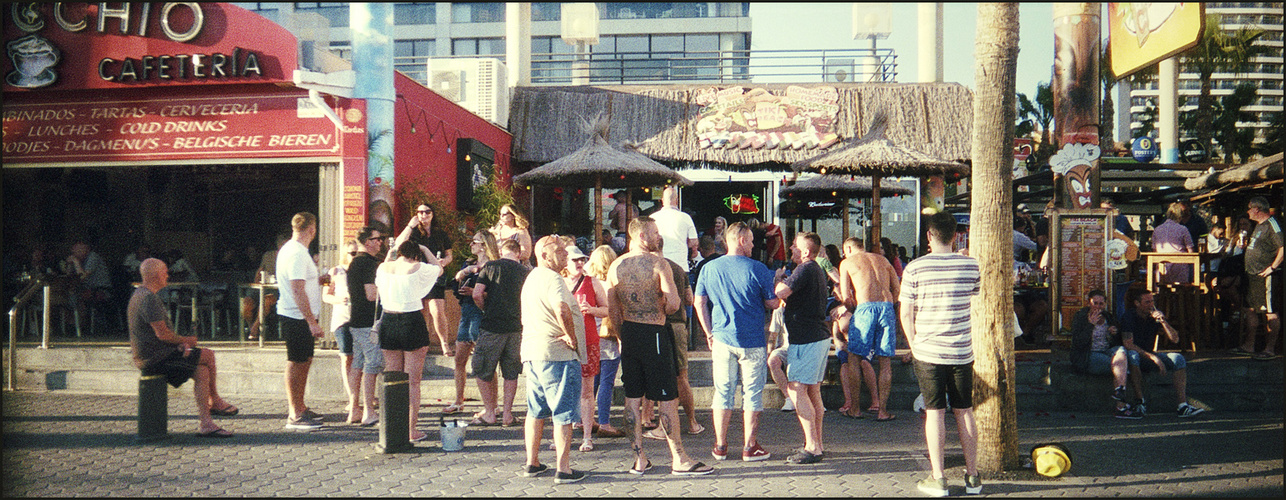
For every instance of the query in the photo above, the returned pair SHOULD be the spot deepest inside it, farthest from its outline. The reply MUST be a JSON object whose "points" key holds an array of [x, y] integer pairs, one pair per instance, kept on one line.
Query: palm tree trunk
{"points": [[991, 239]]}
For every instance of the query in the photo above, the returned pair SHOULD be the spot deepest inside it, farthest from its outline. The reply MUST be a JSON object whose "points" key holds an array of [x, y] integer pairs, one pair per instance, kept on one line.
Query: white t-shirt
{"points": [[543, 292], [401, 293], [294, 263], [676, 228]]}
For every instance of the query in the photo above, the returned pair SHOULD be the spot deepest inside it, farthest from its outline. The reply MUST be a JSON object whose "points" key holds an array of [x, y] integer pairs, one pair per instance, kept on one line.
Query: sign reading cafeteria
{"points": [[71, 45], [758, 119]]}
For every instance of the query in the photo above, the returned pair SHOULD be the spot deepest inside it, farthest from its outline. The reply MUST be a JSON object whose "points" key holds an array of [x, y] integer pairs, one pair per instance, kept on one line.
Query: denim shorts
{"points": [[1172, 360], [1101, 361], [366, 351], [806, 363], [730, 364], [470, 320], [553, 390], [344, 338]]}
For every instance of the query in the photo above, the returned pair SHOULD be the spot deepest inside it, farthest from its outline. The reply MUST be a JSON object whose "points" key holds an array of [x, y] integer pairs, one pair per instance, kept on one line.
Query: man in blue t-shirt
{"points": [[732, 296], [1140, 324]]}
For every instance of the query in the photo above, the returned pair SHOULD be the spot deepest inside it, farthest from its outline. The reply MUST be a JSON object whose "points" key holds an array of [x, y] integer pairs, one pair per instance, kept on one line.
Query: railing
{"points": [[723, 66], [19, 303]]}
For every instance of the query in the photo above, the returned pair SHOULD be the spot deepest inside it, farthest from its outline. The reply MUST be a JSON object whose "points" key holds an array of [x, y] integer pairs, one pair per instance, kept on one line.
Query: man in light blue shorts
{"points": [[804, 292], [868, 287]]}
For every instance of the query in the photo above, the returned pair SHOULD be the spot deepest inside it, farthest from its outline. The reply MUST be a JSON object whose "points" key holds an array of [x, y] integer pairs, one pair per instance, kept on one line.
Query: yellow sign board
{"points": [[1144, 33]]}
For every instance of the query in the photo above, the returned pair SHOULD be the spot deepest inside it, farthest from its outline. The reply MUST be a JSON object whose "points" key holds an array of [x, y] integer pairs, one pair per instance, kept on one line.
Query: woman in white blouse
{"points": [[403, 336]]}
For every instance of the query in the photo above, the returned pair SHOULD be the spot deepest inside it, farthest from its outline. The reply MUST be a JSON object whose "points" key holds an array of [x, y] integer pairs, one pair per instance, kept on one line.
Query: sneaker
{"points": [[933, 486], [719, 452], [788, 406], [312, 415], [534, 470], [1141, 409], [803, 458], [973, 485], [1128, 413], [569, 477], [303, 424], [1119, 394], [754, 453], [1186, 410]]}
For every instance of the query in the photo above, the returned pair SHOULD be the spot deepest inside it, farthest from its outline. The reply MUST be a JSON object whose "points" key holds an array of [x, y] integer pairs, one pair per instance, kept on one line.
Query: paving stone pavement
{"points": [[82, 445]]}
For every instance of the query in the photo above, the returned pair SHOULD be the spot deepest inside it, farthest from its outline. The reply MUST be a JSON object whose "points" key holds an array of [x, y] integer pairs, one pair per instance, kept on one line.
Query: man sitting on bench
{"points": [[158, 350]]}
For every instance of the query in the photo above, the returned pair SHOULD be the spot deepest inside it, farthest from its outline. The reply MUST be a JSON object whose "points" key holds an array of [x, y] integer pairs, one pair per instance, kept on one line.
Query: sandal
{"points": [[227, 411], [453, 409], [638, 472], [587, 446], [217, 433]]}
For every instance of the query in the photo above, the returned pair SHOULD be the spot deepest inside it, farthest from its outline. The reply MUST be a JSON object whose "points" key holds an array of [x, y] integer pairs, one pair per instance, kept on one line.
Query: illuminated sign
{"points": [[742, 203]]}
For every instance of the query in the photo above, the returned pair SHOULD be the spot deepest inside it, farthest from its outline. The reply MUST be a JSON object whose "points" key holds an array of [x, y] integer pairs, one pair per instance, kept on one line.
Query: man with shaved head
{"points": [[159, 350]]}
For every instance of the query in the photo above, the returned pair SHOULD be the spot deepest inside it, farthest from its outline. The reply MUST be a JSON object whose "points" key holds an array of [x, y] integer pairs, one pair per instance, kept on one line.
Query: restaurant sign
{"points": [[149, 129], [734, 118], [74, 45]]}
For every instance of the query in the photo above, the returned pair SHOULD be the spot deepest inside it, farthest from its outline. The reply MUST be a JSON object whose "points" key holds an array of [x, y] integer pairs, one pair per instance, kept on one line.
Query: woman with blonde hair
{"points": [[609, 346], [335, 293], [484, 249], [513, 226]]}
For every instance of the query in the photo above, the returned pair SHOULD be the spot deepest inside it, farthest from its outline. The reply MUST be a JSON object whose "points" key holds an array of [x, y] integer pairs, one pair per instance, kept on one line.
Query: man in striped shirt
{"points": [[935, 296]]}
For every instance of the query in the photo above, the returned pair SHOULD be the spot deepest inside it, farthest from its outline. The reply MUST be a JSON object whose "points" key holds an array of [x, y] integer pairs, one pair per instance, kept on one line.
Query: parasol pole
{"points": [[598, 210], [844, 210], [875, 208]]}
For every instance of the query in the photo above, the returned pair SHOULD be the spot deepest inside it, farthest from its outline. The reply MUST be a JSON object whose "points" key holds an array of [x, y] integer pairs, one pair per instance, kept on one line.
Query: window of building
{"points": [[546, 11], [335, 12], [414, 48], [481, 12], [478, 47], [415, 13]]}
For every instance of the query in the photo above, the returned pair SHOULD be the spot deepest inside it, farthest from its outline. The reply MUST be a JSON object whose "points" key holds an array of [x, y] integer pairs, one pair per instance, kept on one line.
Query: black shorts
{"points": [[176, 367], [1264, 293], [647, 362], [299, 340], [403, 331], [938, 383]]}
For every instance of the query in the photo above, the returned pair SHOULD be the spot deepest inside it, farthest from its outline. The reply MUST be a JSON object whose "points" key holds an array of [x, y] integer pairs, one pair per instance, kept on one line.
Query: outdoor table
{"points": [[241, 320], [194, 286]]}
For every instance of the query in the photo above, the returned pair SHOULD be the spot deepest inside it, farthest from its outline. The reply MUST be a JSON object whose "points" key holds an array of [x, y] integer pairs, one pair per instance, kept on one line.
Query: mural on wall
{"points": [[1074, 162], [802, 118]]}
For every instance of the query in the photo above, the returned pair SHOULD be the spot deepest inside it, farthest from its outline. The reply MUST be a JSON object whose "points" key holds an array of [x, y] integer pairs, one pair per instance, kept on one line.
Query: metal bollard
{"points": [[153, 408], [395, 410]]}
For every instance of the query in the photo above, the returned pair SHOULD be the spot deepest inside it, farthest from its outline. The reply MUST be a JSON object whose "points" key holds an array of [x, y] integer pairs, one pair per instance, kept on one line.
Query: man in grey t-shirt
{"points": [[158, 350]]}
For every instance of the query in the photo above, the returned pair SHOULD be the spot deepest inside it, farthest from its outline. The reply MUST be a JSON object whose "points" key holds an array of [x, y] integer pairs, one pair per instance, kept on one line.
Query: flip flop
{"points": [[891, 417], [1262, 356], [640, 472], [859, 416], [692, 431], [217, 433], [513, 423], [697, 469], [480, 422], [227, 411], [421, 438], [452, 409], [1241, 352], [586, 447], [655, 434]]}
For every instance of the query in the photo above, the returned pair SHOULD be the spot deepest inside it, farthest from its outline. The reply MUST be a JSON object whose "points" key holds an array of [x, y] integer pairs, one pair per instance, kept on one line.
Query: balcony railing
{"points": [[728, 66]]}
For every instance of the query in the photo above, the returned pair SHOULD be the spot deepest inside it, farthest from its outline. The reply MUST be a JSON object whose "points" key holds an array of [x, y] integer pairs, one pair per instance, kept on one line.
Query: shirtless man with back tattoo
{"points": [[641, 293], [869, 287]]}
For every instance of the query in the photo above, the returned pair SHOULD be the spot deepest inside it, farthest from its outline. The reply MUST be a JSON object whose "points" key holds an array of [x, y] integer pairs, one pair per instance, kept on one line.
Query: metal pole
{"points": [[46, 324], [395, 413], [13, 341]]}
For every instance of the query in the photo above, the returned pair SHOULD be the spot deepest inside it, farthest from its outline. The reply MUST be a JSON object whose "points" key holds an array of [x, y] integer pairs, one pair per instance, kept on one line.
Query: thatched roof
{"points": [[932, 118], [874, 153], [617, 167], [846, 186], [1266, 169]]}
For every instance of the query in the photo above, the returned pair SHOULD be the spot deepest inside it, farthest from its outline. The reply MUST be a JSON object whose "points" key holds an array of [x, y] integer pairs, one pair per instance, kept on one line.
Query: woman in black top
{"points": [[424, 231]]}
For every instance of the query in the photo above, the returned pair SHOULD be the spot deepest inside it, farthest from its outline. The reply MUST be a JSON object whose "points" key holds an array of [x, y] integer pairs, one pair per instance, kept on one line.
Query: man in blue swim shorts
{"points": [[868, 287]]}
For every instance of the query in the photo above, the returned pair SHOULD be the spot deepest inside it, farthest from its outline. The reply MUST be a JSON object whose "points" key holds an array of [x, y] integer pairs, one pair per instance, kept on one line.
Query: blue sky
{"points": [[784, 26]]}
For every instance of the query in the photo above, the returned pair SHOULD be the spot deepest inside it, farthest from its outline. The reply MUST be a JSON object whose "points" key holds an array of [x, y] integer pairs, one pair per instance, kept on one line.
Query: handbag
{"points": [[379, 318]]}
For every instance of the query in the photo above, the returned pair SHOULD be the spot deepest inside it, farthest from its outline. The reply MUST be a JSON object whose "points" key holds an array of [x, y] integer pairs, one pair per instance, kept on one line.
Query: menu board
{"points": [[1079, 260]]}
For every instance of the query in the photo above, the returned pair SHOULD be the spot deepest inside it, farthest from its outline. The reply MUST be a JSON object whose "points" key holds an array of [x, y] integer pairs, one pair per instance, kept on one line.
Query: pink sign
{"points": [[802, 118]]}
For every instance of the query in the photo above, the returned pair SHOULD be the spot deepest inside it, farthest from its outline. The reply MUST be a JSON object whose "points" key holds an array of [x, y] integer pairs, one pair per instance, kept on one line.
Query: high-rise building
{"points": [[670, 42], [1264, 71]]}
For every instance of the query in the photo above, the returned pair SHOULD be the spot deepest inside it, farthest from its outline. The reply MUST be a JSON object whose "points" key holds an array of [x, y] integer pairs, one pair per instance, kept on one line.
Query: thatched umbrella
{"points": [[601, 165], [876, 156], [843, 187]]}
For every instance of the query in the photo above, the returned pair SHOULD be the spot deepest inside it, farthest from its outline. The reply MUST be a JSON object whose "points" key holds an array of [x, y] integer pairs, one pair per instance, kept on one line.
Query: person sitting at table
{"points": [[267, 267], [1097, 349], [180, 268], [95, 289]]}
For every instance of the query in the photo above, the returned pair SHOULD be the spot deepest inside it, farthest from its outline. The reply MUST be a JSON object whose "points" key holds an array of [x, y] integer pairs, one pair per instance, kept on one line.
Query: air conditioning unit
{"points": [[476, 84]]}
